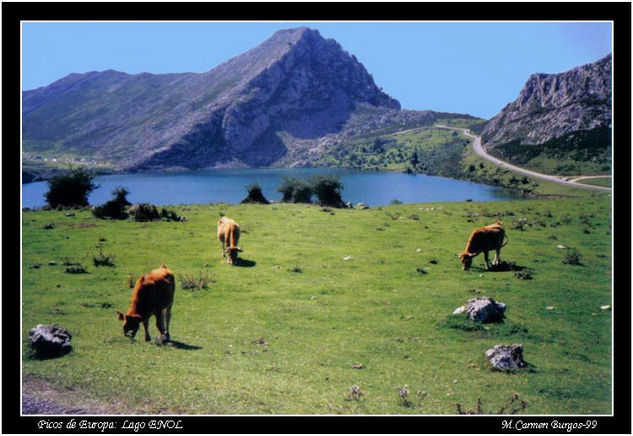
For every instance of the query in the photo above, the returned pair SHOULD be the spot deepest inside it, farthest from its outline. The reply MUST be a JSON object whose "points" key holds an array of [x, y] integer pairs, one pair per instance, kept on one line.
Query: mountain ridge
{"points": [[295, 81], [551, 106]]}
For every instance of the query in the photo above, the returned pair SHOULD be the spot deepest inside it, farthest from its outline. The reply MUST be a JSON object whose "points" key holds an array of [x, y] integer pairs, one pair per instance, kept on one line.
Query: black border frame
{"points": [[619, 13]]}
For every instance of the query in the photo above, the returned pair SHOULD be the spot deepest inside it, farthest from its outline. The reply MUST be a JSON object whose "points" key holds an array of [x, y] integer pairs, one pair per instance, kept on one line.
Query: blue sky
{"points": [[463, 67]]}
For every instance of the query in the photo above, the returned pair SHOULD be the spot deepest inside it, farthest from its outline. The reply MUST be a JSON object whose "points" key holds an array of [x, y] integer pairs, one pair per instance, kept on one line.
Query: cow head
{"points": [[233, 254], [466, 259], [131, 324]]}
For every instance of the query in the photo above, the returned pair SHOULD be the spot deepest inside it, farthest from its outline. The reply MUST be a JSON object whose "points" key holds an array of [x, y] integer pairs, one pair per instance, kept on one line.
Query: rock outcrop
{"points": [[569, 107], [50, 340], [506, 357], [483, 309]]}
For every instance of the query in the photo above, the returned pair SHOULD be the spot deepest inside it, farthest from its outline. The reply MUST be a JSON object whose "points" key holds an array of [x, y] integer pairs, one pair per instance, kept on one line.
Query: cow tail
{"points": [[505, 240], [232, 236]]}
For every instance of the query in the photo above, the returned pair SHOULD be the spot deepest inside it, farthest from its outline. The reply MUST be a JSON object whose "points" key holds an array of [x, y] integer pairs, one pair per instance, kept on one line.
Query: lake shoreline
{"points": [[371, 187]]}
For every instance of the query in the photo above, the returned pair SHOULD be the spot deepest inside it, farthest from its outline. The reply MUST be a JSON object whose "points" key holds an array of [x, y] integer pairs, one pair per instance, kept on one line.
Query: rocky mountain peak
{"points": [[296, 84], [553, 105]]}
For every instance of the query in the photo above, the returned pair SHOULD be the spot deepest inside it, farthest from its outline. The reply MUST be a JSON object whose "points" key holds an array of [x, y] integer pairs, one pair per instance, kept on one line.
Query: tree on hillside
{"points": [[70, 189]]}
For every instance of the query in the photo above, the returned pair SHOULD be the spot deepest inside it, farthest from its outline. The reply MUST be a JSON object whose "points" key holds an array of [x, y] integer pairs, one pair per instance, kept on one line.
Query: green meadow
{"points": [[296, 329]]}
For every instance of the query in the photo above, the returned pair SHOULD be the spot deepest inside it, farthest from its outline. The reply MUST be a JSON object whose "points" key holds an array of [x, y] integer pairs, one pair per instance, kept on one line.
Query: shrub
{"points": [[120, 193], [572, 257], [70, 189], [509, 408], [255, 195], [115, 208], [76, 269], [328, 190], [144, 212], [101, 259], [190, 282], [295, 190], [170, 215]]}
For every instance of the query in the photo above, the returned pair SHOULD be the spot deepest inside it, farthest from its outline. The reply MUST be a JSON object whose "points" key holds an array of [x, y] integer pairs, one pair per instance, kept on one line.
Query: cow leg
{"points": [[167, 317], [497, 256], [486, 259], [146, 326], [160, 324]]}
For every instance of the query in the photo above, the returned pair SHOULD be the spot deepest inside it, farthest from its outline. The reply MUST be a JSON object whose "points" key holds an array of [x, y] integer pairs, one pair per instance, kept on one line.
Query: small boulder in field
{"points": [[50, 340], [483, 309], [506, 357]]}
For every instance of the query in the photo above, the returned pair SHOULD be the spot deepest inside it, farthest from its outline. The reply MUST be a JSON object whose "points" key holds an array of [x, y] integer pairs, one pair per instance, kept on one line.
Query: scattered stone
{"points": [[506, 357], [50, 340], [358, 366], [348, 258], [607, 307], [70, 214], [362, 206], [313, 298], [419, 250], [561, 246], [484, 310], [549, 308], [260, 341], [52, 263]]}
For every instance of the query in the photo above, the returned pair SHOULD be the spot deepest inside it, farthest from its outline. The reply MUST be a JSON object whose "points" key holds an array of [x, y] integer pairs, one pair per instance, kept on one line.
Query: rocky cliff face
{"points": [[296, 85], [553, 106]]}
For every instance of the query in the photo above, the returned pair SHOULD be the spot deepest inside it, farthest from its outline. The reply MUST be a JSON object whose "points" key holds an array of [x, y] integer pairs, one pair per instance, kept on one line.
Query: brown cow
{"points": [[229, 236], [484, 239], [152, 295]]}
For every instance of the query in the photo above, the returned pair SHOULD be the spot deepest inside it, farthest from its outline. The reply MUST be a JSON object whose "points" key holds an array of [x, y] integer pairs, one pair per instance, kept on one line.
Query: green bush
{"points": [[328, 190], [70, 189], [295, 190], [255, 195], [144, 212], [115, 208]]}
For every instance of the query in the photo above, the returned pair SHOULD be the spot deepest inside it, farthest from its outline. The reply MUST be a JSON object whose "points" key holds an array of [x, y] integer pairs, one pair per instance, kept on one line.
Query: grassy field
{"points": [[281, 332], [601, 181]]}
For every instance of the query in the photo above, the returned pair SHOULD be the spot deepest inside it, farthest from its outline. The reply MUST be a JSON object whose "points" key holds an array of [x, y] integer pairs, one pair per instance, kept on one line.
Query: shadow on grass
{"points": [[245, 263], [501, 267], [34, 355], [179, 345]]}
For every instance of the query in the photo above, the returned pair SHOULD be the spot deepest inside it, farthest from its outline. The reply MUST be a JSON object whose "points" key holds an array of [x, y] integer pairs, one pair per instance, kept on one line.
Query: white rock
{"points": [[460, 309], [348, 258]]}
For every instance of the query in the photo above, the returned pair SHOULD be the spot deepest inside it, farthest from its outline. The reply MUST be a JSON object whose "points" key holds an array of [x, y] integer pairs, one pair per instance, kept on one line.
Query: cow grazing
{"points": [[229, 236], [484, 239], [153, 294]]}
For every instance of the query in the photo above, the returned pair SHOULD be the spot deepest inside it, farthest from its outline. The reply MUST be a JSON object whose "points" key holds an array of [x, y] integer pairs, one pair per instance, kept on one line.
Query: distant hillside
{"points": [[559, 122], [284, 103]]}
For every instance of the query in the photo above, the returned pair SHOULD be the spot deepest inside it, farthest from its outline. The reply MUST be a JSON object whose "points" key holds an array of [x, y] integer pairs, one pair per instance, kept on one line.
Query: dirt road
{"points": [[568, 181]]}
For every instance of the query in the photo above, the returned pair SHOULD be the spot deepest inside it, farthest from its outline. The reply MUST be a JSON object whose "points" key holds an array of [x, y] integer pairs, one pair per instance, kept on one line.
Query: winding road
{"points": [[568, 181]]}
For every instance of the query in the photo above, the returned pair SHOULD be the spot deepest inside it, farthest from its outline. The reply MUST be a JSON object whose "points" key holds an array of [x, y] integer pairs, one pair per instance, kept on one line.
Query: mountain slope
{"points": [[564, 117], [295, 82]]}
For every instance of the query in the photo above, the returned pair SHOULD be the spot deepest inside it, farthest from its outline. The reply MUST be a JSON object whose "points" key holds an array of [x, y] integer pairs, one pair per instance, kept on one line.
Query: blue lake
{"points": [[374, 188]]}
